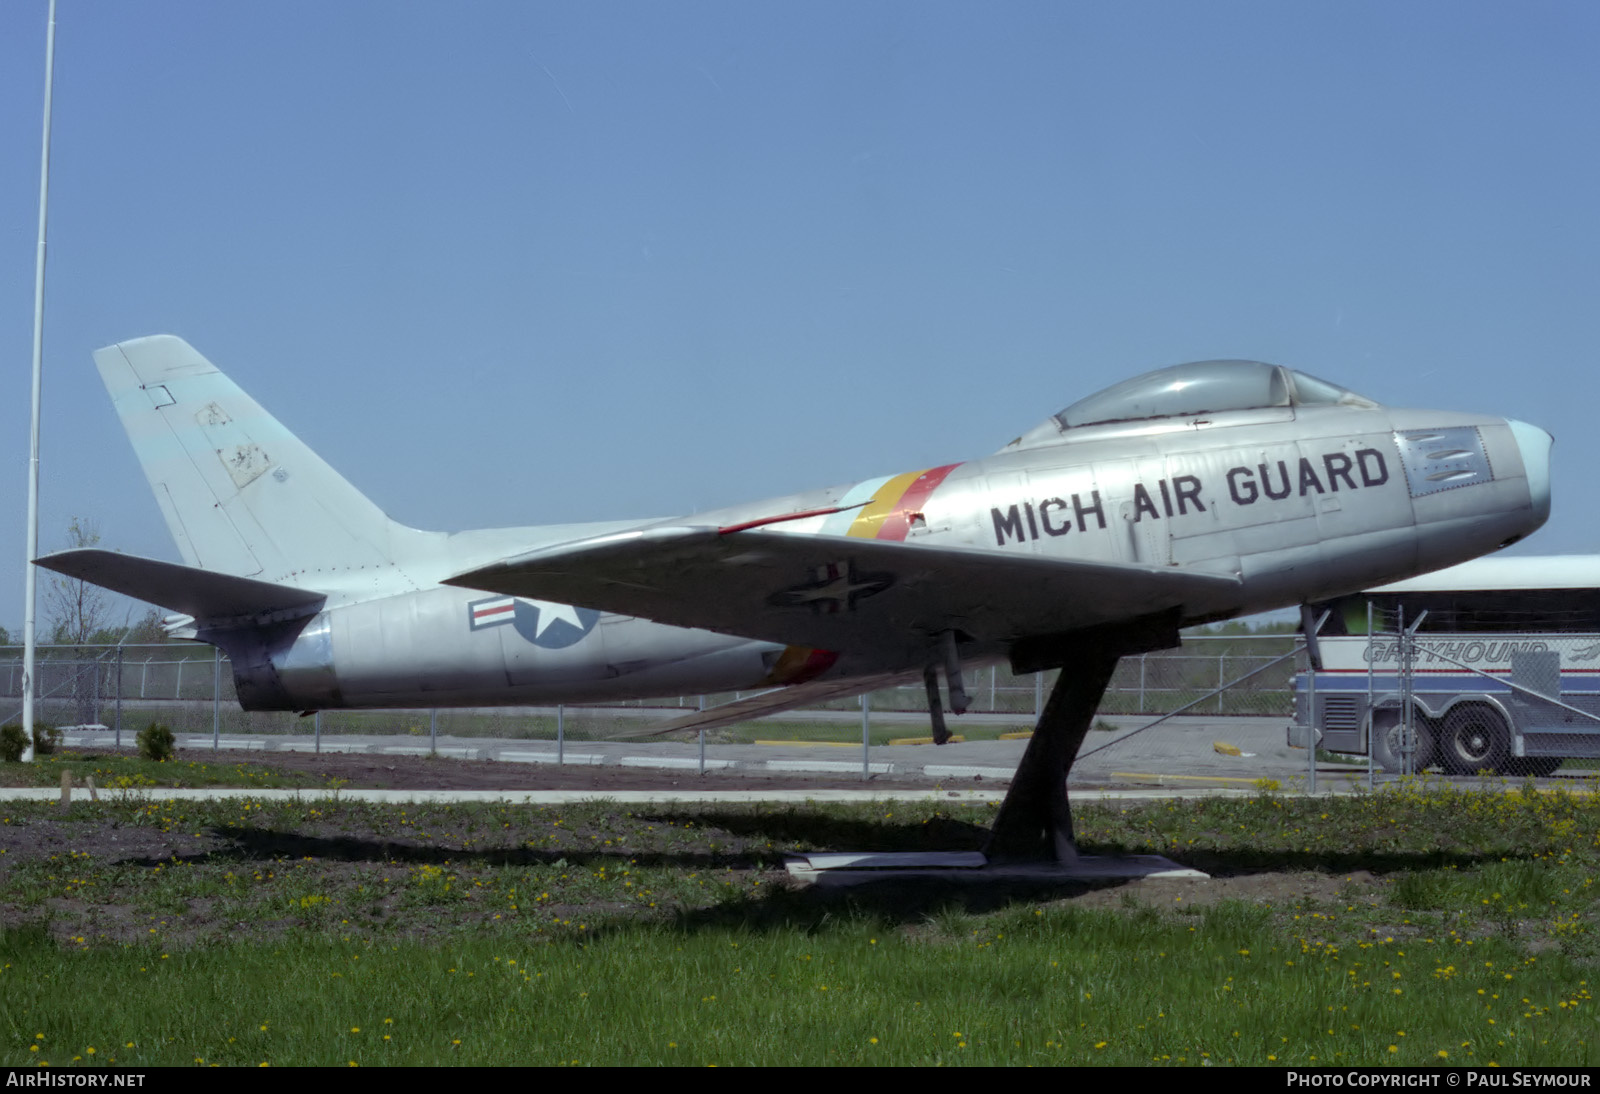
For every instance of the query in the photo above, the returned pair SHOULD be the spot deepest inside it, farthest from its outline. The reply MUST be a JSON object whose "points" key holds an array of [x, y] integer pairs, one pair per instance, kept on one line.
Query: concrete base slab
{"points": [[424, 750], [889, 860], [687, 763], [968, 771], [327, 746], [584, 758], [827, 766], [200, 744], [844, 868]]}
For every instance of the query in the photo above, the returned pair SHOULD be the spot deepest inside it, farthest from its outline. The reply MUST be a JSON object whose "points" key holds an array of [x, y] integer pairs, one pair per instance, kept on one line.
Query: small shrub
{"points": [[14, 742], [157, 743]]}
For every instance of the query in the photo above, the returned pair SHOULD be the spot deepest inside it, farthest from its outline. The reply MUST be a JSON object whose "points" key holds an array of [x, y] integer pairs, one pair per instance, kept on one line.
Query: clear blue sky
{"points": [[507, 263]]}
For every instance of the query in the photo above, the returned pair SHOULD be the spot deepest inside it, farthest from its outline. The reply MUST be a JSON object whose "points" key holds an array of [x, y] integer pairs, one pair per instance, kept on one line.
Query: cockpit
{"points": [[1184, 392]]}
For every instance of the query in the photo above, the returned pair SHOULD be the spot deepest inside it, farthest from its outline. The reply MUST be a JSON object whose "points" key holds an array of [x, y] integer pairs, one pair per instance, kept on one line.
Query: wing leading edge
{"points": [[836, 592]]}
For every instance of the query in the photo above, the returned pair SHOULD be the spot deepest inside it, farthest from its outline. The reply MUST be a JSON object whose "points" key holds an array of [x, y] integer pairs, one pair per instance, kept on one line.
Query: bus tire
{"points": [[1475, 739], [1388, 737]]}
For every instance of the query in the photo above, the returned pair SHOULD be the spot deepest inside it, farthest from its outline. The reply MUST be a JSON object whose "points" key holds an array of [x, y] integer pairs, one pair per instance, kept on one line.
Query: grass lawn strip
{"points": [[1428, 924]]}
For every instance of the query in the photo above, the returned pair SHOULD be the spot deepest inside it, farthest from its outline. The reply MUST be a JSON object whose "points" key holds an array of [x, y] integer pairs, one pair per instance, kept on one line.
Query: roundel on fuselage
{"points": [[551, 626]]}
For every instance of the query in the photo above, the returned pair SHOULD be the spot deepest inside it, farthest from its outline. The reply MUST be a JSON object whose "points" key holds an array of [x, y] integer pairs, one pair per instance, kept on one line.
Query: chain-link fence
{"points": [[190, 688]]}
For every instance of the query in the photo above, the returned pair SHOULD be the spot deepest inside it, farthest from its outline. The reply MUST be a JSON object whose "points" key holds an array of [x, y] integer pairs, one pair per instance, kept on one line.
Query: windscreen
{"points": [[1205, 387], [1197, 388]]}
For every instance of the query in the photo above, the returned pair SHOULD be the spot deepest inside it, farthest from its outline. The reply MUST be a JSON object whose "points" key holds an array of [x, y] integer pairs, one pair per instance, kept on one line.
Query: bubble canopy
{"points": [[1205, 387]]}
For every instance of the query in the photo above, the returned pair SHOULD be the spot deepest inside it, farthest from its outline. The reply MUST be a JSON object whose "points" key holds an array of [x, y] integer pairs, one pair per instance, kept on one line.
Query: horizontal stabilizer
{"points": [[203, 594], [842, 593]]}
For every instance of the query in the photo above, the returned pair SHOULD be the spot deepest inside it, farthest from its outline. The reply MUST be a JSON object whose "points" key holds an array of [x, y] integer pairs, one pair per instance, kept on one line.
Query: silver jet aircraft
{"points": [[1189, 494]]}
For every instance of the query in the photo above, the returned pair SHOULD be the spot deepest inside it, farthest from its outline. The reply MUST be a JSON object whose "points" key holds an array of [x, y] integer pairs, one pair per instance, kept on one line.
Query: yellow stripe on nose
{"points": [[867, 525]]}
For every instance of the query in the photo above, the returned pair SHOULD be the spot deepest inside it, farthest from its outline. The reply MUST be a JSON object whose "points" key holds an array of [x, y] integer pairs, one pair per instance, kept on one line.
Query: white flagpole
{"points": [[28, 640]]}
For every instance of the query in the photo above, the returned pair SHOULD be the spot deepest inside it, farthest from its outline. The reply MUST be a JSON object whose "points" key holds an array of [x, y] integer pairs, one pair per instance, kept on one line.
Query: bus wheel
{"points": [[1388, 740], [1474, 739]]}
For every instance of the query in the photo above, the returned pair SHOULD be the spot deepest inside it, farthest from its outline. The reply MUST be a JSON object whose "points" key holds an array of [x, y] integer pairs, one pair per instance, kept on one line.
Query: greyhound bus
{"points": [[1504, 669]]}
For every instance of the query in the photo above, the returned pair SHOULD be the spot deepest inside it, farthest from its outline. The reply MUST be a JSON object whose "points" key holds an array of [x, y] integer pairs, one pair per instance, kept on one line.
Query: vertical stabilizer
{"points": [[240, 493]]}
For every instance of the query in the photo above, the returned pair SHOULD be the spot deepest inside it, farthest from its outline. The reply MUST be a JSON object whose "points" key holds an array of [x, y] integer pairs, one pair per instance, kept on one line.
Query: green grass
{"points": [[1387, 928], [1042, 985]]}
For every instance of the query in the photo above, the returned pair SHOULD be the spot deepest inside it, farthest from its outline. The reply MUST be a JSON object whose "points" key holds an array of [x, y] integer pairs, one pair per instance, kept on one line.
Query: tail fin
{"points": [[233, 484]]}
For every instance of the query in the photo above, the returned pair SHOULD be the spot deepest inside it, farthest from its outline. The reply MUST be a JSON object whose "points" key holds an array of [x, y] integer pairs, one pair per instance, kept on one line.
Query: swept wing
{"points": [[835, 592]]}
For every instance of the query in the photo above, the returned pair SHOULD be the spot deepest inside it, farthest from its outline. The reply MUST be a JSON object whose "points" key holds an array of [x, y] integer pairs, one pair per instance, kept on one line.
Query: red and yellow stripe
{"points": [[887, 516]]}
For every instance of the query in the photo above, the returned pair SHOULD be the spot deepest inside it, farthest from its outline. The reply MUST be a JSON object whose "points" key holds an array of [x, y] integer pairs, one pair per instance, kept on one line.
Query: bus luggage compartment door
{"points": [[1538, 671]]}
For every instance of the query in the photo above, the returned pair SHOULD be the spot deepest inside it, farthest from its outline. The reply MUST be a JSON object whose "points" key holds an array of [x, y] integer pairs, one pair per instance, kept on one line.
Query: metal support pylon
{"points": [[1035, 819]]}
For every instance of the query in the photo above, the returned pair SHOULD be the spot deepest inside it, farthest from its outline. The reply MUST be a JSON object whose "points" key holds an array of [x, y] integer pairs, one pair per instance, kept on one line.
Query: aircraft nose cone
{"points": [[1534, 444]]}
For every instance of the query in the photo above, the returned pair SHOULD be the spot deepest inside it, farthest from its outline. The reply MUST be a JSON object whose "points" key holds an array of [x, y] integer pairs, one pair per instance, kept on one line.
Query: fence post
{"points": [[216, 697], [561, 734], [866, 741], [1038, 694], [702, 705], [119, 694], [1311, 730], [1144, 662], [1371, 780], [1408, 723], [433, 731]]}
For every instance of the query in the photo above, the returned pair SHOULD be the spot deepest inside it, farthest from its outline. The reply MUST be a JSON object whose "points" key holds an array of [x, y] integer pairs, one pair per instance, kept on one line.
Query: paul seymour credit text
{"points": [[1437, 1079]]}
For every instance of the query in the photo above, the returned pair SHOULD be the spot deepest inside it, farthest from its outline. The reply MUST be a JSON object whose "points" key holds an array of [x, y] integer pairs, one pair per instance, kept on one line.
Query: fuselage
{"points": [[1299, 503]]}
